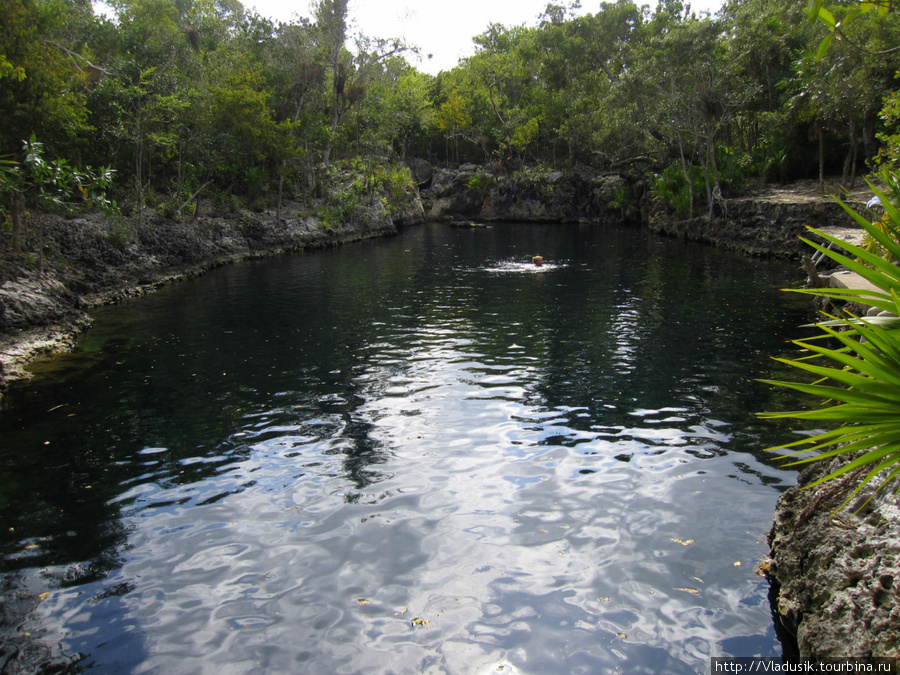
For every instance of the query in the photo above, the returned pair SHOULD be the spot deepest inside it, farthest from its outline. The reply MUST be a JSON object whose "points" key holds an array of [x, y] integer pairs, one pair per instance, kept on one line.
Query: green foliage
{"points": [[855, 366], [357, 185], [679, 191], [53, 185], [395, 181], [838, 19], [345, 193], [7, 69], [885, 224], [42, 90], [178, 94], [480, 182], [732, 169], [889, 154], [119, 235]]}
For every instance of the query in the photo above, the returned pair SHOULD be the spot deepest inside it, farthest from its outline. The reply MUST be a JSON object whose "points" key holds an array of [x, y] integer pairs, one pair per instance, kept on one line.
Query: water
{"points": [[412, 455]]}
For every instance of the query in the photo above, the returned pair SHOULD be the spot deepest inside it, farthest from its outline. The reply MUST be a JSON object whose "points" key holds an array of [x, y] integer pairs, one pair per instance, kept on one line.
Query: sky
{"points": [[443, 28]]}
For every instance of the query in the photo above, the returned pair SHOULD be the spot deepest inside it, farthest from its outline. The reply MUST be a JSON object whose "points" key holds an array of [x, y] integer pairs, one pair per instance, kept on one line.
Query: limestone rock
{"points": [[836, 576]]}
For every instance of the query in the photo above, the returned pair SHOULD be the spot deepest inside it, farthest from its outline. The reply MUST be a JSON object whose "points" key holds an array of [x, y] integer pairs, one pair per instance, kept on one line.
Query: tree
{"points": [[505, 75], [42, 91], [688, 91]]}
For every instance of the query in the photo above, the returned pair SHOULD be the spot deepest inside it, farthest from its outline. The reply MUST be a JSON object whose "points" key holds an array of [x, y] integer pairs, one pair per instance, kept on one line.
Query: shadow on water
{"points": [[288, 462]]}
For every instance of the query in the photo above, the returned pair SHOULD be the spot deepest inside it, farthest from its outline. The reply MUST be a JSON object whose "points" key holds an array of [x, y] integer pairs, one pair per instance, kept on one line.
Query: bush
{"points": [[731, 169], [673, 188], [480, 182], [855, 363]]}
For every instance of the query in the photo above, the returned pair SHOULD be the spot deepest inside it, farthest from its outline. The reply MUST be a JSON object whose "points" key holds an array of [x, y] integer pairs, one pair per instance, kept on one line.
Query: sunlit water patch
{"points": [[519, 266], [376, 460]]}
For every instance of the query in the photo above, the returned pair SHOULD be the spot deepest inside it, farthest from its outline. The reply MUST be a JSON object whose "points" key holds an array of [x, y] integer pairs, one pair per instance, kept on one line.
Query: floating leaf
{"points": [[621, 635], [683, 542], [31, 547], [737, 564], [363, 601], [603, 599], [401, 612], [688, 590], [419, 622]]}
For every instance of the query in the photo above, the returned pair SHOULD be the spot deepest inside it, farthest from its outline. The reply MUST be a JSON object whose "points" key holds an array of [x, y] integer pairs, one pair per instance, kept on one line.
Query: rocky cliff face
{"points": [[836, 575], [548, 196], [91, 261], [768, 221]]}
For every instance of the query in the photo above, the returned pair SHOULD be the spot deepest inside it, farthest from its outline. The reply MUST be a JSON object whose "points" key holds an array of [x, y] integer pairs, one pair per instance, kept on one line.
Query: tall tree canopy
{"points": [[186, 95]]}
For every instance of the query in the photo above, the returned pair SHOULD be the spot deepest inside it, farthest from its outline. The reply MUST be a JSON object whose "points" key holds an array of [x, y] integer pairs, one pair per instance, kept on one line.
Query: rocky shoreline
{"points": [[92, 261], [835, 581], [835, 574]]}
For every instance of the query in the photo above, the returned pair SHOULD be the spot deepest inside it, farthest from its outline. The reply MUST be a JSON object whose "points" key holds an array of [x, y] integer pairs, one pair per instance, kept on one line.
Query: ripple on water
{"points": [[451, 471]]}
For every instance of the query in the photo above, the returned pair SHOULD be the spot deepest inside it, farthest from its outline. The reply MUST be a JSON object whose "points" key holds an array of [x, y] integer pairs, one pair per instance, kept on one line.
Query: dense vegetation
{"points": [[188, 97]]}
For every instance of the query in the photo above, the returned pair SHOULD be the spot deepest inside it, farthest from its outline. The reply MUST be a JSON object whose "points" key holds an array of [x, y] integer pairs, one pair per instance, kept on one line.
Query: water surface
{"points": [[411, 455]]}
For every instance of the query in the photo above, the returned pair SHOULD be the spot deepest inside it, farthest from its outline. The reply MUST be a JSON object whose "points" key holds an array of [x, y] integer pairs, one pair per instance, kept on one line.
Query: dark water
{"points": [[411, 455]]}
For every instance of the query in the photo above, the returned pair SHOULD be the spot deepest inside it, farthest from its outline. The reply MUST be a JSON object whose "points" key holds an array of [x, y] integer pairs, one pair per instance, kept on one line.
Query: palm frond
{"points": [[854, 363]]}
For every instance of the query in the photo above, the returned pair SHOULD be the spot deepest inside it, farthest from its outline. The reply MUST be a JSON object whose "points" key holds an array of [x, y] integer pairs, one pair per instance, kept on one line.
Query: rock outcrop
{"points": [[836, 575], [768, 221], [473, 193], [94, 260]]}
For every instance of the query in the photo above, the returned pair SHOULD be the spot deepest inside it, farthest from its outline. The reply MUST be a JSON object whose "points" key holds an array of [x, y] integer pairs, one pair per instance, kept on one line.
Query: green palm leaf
{"points": [[855, 366]]}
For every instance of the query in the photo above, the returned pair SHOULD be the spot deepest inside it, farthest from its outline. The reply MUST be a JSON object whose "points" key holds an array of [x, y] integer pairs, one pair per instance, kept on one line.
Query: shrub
{"points": [[855, 363], [480, 182], [673, 188]]}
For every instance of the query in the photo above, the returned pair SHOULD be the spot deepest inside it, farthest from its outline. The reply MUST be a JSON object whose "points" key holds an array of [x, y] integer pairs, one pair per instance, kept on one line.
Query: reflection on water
{"points": [[388, 458], [528, 267]]}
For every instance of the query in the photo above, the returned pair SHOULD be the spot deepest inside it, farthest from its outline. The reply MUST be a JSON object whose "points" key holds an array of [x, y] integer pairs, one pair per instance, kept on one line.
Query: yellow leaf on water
{"points": [[44, 595], [737, 564], [621, 635], [683, 542], [419, 622], [363, 601], [31, 547], [688, 590]]}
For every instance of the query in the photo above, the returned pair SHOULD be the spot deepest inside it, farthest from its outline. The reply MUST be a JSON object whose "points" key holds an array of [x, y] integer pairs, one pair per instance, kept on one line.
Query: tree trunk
{"points": [[713, 189], [40, 263], [848, 175], [16, 213], [868, 134], [335, 120], [821, 134]]}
